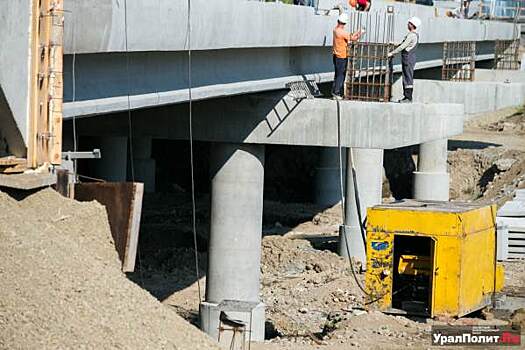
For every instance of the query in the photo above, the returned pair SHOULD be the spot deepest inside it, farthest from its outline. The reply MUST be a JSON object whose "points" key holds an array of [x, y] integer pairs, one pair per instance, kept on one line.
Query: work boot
{"points": [[408, 93], [408, 96]]}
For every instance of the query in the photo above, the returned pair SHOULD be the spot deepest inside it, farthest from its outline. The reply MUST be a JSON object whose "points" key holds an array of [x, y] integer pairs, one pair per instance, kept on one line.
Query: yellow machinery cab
{"points": [[432, 258]]}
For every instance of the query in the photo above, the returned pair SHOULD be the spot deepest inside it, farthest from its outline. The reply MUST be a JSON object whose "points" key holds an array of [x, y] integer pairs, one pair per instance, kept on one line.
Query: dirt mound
{"points": [[485, 174], [63, 288], [513, 124]]}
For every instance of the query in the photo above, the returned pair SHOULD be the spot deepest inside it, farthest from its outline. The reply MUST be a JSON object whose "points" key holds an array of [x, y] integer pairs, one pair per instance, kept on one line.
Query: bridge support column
{"points": [[234, 252], [431, 180], [327, 188], [143, 164], [112, 166], [368, 165]]}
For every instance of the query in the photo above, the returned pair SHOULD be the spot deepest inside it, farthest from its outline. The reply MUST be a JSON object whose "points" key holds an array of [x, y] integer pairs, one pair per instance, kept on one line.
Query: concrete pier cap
{"points": [[234, 251]]}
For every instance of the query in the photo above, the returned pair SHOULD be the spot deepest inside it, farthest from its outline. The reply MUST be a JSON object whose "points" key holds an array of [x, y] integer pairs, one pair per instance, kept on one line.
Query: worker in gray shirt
{"points": [[408, 57]]}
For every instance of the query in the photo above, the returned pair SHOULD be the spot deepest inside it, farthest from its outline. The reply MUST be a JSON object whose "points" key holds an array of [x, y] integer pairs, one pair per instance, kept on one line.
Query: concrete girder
{"points": [[477, 97], [278, 120]]}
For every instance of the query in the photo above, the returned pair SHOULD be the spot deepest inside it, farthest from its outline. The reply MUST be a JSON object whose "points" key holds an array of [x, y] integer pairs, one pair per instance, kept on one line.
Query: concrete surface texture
{"points": [[327, 177], [477, 97], [255, 46], [252, 53], [277, 120], [14, 72], [234, 247], [510, 76], [161, 26], [431, 180], [368, 167]]}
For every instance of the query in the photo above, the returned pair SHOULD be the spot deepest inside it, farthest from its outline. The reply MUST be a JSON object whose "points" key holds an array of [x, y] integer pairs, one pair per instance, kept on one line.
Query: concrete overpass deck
{"points": [[140, 49]]}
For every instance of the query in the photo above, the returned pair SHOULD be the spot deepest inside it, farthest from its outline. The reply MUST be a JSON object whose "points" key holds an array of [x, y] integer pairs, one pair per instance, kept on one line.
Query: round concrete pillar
{"points": [[234, 252], [327, 187], [144, 166], [368, 165], [431, 180]]}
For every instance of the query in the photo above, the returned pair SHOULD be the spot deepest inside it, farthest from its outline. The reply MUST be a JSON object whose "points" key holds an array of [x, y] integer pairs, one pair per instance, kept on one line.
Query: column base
{"points": [[431, 186], [209, 318]]}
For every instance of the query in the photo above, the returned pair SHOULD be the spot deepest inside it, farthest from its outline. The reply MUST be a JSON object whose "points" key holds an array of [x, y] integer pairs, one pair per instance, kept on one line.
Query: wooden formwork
{"points": [[46, 83]]}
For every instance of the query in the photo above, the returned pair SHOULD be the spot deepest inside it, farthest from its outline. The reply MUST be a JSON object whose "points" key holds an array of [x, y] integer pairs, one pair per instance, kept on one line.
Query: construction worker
{"points": [[341, 38], [408, 57]]}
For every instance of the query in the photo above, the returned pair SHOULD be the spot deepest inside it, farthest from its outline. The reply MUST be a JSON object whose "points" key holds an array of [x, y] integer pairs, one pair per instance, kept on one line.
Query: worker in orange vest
{"points": [[341, 38]]}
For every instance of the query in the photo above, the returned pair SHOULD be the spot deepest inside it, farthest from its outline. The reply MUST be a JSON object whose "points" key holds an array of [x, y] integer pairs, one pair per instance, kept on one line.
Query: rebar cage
{"points": [[459, 60], [369, 72], [506, 54]]}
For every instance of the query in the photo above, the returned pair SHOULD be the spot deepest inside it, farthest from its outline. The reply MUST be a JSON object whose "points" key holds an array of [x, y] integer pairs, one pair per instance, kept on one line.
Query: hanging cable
{"points": [[130, 125], [350, 166], [74, 89], [190, 130]]}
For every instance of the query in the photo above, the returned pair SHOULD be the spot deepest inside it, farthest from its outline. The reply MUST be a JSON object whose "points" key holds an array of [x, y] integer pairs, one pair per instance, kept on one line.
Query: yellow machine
{"points": [[432, 258]]}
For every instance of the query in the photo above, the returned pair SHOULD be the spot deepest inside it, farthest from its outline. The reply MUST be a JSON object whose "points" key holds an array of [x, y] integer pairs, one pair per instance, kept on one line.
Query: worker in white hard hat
{"points": [[408, 57], [341, 38]]}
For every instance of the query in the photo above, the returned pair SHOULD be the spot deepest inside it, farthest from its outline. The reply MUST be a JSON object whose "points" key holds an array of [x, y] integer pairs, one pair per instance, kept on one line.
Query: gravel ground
{"points": [[62, 286]]}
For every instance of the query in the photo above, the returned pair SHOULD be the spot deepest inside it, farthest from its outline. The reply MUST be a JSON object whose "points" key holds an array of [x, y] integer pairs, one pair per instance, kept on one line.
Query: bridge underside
{"points": [[274, 119]]}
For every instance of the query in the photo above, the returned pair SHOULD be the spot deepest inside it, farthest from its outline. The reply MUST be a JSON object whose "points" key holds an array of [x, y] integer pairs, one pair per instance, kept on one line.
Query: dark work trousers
{"points": [[339, 76], [408, 63]]}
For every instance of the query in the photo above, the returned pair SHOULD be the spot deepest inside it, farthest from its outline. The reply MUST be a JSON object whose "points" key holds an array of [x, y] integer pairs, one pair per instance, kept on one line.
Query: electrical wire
{"points": [[130, 125], [351, 167], [74, 93], [190, 130]]}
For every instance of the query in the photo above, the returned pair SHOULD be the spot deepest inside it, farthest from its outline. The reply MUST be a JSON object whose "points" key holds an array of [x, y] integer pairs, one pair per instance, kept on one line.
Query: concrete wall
{"points": [[14, 72]]}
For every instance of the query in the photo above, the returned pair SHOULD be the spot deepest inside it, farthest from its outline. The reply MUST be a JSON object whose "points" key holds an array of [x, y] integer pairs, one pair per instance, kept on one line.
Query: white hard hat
{"points": [[343, 18], [415, 21]]}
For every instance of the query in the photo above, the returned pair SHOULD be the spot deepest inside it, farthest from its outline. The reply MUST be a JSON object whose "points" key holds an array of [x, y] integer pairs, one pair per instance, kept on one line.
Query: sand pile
{"points": [[62, 286]]}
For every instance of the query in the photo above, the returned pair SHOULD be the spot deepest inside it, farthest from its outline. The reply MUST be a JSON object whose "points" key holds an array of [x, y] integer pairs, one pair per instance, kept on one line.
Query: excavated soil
{"points": [[62, 286], [488, 162]]}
